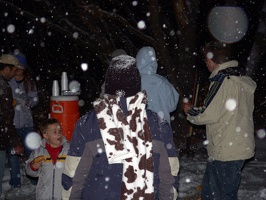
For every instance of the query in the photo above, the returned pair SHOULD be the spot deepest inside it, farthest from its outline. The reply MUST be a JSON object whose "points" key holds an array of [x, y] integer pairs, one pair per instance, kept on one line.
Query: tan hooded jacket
{"points": [[229, 116]]}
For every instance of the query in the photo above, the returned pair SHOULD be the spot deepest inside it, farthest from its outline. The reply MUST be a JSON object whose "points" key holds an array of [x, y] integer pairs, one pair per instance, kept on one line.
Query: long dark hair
{"points": [[29, 83]]}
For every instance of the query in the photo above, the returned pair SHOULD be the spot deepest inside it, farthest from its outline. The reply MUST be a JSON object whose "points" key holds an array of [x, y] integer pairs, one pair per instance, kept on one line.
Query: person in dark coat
{"points": [[8, 134], [120, 149]]}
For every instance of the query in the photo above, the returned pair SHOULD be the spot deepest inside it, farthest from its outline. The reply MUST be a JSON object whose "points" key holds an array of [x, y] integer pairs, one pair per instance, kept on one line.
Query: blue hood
{"points": [[146, 61]]}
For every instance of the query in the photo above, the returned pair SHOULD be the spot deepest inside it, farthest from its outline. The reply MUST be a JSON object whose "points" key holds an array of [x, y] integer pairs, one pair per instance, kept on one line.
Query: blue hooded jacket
{"points": [[162, 96]]}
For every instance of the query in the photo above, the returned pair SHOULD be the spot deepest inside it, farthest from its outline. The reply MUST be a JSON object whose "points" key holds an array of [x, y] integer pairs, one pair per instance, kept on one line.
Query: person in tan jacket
{"points": [[228, 115]]}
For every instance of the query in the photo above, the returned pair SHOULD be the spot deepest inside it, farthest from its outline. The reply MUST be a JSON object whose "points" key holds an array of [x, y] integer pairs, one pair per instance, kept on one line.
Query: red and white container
{"points": [[66, 110]]}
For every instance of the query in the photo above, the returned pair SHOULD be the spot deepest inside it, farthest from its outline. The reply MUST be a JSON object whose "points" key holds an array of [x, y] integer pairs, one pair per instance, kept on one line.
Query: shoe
{"points": [[16, 192], [29, 189], [23, 191]]}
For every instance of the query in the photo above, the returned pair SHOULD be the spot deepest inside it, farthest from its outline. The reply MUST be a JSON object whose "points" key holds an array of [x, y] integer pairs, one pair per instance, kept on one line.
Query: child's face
{"points": [[53, 135]]}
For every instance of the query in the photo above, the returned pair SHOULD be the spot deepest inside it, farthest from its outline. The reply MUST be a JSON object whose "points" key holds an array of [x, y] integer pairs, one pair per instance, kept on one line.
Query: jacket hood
{"points": [[232, 63], [146, 61], [245, 81]]}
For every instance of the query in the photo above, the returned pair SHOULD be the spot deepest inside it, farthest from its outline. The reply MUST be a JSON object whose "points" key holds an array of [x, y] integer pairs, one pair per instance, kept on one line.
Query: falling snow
{"points": [[141, 24], [191, 170]]}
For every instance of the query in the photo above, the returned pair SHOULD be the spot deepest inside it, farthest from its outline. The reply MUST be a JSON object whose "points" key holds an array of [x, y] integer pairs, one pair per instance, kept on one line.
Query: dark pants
{"points": [[14, 161], [221, 180]]}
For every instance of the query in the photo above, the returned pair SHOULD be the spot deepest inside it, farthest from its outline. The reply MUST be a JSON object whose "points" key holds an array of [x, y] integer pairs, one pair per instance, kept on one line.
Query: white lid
{"points": [[64, 98]]}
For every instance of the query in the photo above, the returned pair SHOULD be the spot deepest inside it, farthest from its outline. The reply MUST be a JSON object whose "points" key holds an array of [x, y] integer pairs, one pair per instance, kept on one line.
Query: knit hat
{"points": [[118, 52], [122, 77], [22, 61], [9, 59]]}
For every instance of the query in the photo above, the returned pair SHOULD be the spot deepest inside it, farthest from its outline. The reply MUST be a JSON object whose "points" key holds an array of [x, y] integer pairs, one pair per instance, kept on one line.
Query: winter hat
{"points": [[22, 62], [9, 59], [118, 52], [122, 77]]}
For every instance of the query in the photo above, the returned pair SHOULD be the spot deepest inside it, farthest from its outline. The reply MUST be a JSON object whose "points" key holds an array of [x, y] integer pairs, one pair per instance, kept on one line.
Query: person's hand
{"points": [[21, 102], [14, 103], [37, 162], [186, 107], [37, 165]]}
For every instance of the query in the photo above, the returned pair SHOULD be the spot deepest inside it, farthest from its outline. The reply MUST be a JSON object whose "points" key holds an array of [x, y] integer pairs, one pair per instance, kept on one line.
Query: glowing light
{"points": [[100, 150], [185, 100], [228, 24], [230, 104], [11, 28], [188, 180], [209, 55], [161, 114], [17, 90], [60, 165], [206, 142], [84, 66], [33, 140], [141, 24], [31, 31], [75, 35], [134, 3], [81, 102], [74, 86], [43, 20], [169, 146], [238, 129], [261, 133]]}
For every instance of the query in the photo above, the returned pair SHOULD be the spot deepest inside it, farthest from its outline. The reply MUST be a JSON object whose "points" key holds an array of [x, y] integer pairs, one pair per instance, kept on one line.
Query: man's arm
{"points": [[214, 104]]}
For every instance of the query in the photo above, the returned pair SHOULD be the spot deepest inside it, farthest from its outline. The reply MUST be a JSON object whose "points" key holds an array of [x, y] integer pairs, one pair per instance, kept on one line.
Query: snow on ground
{"points": [[252, 187], [253, 182], [26, 185]]}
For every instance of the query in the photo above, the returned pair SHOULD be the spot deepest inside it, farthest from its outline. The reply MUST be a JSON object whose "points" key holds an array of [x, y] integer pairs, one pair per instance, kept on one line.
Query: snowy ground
{"points": [[26, 185], [253, 183]]}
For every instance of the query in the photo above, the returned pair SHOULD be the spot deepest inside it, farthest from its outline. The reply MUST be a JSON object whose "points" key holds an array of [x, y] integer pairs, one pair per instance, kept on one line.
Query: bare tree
{"points": [[61, 34], [99, 27], [258, 49]]}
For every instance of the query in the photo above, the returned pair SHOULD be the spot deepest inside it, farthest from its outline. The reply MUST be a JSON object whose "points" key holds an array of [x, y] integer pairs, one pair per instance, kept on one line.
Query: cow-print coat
{"points": [[90, 169]]}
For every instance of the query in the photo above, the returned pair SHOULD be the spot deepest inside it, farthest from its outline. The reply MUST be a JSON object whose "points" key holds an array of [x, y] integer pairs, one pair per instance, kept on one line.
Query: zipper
{"points": [[54, 167], [53, 182]]}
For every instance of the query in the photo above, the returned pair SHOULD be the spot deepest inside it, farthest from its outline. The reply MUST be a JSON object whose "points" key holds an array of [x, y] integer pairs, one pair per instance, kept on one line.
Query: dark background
{"points": [[50, 47]]}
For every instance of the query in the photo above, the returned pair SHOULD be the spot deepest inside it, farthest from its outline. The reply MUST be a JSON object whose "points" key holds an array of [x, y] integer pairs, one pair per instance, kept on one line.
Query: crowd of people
{"points": [[123, 148]]}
